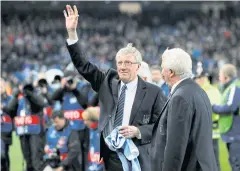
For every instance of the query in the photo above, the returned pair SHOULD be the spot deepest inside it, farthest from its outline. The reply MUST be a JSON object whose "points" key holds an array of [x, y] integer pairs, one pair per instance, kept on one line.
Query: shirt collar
{"points": [[176, 84], [131, 85], [161, 82]]}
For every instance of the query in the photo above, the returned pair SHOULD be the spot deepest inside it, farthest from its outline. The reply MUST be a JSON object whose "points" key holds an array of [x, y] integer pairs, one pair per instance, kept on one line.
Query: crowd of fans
{"points": [[33, 44], [38, 42]]}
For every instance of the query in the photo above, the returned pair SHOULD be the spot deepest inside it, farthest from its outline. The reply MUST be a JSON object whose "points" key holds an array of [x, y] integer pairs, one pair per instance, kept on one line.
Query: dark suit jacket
{"points": [[182, 135], [147, 105]]}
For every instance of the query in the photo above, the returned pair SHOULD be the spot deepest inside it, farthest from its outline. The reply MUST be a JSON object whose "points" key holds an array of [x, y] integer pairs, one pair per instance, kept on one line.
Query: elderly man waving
{"points": [[127, 103]]}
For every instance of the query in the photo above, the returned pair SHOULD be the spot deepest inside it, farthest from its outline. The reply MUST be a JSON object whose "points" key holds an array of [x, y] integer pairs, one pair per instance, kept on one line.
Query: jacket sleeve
{"points": [[11, 108], [58, 95], [36, 101], [88, 70], [179, 121], [94, 101], [73, 150], [146, 130], [81, 98], [48, 97], [232, 103]]}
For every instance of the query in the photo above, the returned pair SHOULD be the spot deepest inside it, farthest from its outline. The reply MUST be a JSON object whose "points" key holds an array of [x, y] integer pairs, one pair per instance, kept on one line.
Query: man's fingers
{"points": [[75, 10], [123, 127], [76, 19], [69, 10], [65, 13]]}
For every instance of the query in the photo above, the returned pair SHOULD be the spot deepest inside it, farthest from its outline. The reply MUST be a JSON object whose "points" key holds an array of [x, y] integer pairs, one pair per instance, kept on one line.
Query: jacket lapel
{"points": [[115, 87], [140, 93], [165, 105]]}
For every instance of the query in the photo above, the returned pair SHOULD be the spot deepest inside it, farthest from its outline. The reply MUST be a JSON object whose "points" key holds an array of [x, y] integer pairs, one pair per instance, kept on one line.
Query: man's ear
{"points": [[172, 73]]}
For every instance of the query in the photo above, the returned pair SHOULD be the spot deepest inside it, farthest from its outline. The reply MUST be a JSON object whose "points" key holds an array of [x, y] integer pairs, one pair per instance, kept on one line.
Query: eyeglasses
{"points": [[126, 63]]}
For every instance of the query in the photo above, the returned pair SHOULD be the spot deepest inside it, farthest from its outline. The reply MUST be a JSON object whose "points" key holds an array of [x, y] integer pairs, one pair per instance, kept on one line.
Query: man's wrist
{"points": [[72, 34], [138, 134]]}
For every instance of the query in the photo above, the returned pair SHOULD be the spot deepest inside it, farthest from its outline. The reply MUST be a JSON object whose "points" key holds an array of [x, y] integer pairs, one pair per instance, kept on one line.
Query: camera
{"points": [[57, 79], [70, 80], [27, 88], [53, 160], [42, 83]]}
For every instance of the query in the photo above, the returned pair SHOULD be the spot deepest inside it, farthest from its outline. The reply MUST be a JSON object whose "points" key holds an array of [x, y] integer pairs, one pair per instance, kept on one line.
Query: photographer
{"points": [[46, 92], [73, 96], [62, 145], [6, 128], [28, 106]]}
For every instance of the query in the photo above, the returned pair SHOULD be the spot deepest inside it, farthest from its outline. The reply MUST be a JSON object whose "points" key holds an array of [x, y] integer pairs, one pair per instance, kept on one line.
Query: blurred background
{"points": [[33, 38]]}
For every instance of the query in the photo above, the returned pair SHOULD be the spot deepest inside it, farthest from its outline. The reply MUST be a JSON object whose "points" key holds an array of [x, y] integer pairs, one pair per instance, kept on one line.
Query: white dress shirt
{"points": [[71, 42], [176, 84], [129, 98]]}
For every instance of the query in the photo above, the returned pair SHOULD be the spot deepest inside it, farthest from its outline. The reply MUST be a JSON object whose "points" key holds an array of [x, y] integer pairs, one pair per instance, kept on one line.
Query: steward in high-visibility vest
{"points": [[214, 96], [229, 107], [228, 110]]}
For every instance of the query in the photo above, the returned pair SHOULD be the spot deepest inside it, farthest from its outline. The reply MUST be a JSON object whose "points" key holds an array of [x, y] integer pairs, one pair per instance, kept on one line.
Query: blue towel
{"points": [[126, 150]]}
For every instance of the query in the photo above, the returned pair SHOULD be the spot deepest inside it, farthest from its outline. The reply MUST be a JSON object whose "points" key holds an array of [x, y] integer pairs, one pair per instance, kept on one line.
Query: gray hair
{"points": [[178, 61], [229, 70], [144, 71], [128, 50]]}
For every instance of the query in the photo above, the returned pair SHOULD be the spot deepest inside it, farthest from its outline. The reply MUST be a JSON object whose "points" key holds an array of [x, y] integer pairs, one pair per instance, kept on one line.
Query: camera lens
{"points": [[70, 81]]}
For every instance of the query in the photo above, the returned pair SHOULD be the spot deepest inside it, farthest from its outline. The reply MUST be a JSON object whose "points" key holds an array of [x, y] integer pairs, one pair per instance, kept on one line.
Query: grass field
{"points": [[17, 158]]}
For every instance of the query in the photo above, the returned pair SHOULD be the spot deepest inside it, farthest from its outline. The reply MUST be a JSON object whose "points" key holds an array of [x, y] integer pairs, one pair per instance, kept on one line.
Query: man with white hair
{"points": [[144, 72], [129, 105], [182, 135]]}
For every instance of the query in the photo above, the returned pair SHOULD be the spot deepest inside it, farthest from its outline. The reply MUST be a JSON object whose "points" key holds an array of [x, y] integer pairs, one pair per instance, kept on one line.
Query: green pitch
{"points": [[17, 158]]}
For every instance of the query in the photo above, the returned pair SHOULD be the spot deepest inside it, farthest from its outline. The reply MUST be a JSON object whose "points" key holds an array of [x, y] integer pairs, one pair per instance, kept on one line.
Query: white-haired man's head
{"points": [[144, 72], [128, 63], [176, 65]]}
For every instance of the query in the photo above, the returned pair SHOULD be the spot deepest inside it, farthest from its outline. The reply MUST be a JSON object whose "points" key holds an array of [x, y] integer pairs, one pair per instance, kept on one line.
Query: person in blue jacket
{"points": [[62, 144], [158, 80]]}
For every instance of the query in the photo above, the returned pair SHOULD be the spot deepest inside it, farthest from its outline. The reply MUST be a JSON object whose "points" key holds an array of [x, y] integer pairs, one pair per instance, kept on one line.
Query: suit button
{"points": [[109, 116]]}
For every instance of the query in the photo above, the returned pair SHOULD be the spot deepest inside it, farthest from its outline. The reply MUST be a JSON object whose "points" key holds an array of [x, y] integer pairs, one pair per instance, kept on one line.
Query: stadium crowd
{"points": [[32, 45]]}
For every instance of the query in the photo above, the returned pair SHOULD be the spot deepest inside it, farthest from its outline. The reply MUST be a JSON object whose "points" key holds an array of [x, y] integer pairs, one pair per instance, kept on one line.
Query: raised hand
{"points": [[71, 18]]}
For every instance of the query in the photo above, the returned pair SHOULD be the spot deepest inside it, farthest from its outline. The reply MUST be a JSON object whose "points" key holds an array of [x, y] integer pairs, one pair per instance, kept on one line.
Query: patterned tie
{"points": [[120, 107], [169, 95]]}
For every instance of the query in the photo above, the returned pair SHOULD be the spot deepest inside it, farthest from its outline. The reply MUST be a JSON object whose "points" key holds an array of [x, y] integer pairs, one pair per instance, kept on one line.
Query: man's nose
{"points": [[122, 67]]}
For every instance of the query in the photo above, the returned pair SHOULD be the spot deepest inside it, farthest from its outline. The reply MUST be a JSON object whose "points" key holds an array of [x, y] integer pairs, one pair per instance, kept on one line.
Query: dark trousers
{"points": [[5, 162], [83, 156], [114, 163], [216, 152], [33, 150], [234, 155]]}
